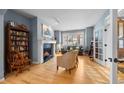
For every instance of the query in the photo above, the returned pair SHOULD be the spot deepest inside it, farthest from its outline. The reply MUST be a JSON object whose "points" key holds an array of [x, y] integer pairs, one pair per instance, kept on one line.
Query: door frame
{"points": [[113, 27]]}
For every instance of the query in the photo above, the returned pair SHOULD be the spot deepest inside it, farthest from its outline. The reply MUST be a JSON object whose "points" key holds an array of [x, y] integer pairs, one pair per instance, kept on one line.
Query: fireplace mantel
{"points": [[49, 41], [40, 48]]}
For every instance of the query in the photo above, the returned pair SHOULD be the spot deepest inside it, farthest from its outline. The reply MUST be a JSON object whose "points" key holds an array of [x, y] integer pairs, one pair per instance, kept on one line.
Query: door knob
{"points": [[110, 59]]}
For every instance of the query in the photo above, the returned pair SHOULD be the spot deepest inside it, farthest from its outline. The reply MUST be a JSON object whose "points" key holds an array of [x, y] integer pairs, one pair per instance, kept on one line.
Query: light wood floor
{"points": [[88, 72]]}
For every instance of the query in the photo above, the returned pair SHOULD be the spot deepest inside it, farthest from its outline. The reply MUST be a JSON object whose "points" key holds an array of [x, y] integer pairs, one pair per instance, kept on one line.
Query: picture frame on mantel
{"points": [[46, 32]]}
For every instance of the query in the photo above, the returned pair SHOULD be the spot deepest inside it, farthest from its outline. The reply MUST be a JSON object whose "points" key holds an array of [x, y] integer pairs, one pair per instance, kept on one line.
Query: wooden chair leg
{"points": [[11, 70], [17, 71], [57, 68], [66, 69], [28, 69], [77, 65], [69, 71]]}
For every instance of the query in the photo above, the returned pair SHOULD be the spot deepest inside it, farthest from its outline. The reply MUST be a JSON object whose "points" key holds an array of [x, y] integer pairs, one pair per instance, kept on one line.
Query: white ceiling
{"points": [[66, 19], [121, 12]]}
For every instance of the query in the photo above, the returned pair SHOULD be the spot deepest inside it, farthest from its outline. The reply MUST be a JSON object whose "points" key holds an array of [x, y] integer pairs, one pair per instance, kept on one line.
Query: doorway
{"points": [[120, 49]]}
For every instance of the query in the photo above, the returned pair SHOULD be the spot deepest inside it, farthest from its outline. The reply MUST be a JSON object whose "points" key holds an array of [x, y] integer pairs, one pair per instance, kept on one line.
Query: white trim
{"points": [[2, 79], [113, 36], [49, 41], [36, 62]]}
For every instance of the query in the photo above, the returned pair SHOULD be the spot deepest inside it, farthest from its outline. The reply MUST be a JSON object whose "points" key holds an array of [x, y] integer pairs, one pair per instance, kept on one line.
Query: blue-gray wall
{"points": [[100, 23], [58, 36], [2, 12], [99, 28], [34, 42], [88, 37], [34, 26], [37, 37], [1, 48], [13, 16]]}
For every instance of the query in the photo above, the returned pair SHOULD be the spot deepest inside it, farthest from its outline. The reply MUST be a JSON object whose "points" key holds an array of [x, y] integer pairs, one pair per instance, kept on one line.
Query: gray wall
{"points": [[2, 12], [34, 42], [58, 36], [34, 28], [100, 25], [88, 37], [1, 48], [37, 37], [11, 15]]}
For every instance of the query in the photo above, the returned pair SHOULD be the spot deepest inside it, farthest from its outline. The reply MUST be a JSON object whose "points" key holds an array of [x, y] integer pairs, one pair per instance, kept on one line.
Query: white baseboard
{"points": [[2, 79], [34, 62], [120, 81]]}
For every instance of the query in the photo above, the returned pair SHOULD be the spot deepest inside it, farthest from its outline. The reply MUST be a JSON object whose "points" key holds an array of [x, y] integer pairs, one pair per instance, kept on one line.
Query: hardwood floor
{"points": [[88, 72]]}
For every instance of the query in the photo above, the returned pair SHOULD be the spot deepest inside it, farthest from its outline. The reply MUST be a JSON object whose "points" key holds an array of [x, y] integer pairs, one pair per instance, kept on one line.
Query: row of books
{"points": [[18, 38], [19, 43], [18, 33], [19, 48]]}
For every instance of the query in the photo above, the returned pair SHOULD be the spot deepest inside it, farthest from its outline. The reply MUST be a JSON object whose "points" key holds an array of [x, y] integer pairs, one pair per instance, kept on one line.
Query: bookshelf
{"points": [[17, 48], [99, 46]]}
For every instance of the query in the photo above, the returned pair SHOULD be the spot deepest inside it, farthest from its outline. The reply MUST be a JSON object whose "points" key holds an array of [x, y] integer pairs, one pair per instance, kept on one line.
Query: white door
{"points": [[107, 41], [110, 44], [113, 30]]}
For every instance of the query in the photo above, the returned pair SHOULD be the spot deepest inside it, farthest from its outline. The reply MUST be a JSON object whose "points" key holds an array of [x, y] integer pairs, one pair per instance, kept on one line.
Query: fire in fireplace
{"points": [[47, 51]]}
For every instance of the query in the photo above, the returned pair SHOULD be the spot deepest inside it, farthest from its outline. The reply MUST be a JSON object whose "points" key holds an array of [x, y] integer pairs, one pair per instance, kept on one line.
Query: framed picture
{"points": [[46, 31]]}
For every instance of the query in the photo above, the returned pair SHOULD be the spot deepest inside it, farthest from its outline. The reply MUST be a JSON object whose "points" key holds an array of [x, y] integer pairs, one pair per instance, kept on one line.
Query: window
{"points": [[121, 43], [81, 39], [73, 39], [121, 34], [121, 30]]}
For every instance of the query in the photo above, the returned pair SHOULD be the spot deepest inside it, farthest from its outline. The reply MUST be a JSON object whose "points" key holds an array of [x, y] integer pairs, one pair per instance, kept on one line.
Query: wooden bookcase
{"points": [[16, 48]]}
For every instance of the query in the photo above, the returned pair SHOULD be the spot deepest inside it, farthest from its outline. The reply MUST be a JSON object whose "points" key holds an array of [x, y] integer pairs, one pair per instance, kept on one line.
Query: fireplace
{"points": [[47, 51]]}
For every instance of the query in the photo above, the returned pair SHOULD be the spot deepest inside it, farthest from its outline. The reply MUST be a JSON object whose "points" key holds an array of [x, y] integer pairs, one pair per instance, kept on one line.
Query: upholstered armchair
{"points": [[67, 61]]}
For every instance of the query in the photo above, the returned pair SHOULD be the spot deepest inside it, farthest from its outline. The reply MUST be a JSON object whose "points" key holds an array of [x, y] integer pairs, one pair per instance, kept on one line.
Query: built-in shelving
{"points": [[99, 44]]}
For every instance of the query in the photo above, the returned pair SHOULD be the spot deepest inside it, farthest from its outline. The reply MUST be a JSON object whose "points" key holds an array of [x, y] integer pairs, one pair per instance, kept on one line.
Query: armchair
{"points": [[67, 61]]}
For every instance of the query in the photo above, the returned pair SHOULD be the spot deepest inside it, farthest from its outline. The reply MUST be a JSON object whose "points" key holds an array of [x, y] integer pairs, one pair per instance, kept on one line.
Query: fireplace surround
{"points": [[47, 51], [42, 53]]}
